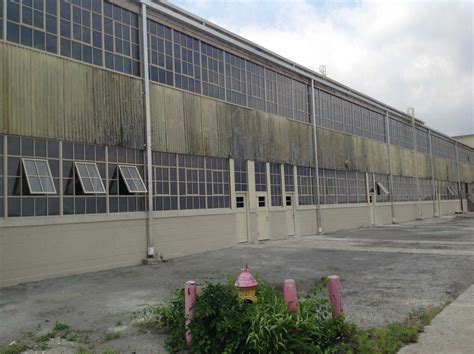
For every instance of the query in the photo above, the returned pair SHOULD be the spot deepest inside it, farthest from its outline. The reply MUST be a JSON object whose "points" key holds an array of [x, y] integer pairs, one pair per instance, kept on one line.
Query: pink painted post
{"points": [[189, 301], [290, 295], [335, 295]]}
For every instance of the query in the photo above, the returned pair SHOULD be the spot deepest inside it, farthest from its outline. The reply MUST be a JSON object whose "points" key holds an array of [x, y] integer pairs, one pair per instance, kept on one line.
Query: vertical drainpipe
{"points": [[456, 147], [419, 212], [146, 96], [390, 173], [433, 187], [315, 143]]}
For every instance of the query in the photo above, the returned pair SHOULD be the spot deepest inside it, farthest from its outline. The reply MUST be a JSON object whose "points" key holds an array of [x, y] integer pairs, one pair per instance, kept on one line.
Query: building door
{"points": [[262, 217], [372, 207], [242, 218], [290, 213]]}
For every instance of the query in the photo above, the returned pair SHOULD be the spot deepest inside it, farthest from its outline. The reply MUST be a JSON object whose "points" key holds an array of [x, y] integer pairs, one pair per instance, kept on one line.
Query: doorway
{"points": [[262, 217], [242, 217], [290, 213]]}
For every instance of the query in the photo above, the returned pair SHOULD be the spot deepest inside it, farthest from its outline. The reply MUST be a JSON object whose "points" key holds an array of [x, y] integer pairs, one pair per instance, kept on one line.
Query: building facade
{"points": [[207, 141]]}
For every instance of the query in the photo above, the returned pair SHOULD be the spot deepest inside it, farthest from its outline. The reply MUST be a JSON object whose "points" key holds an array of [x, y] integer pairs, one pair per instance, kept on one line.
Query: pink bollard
{"points": [[189, 301], [290, 295], [335, 295]]}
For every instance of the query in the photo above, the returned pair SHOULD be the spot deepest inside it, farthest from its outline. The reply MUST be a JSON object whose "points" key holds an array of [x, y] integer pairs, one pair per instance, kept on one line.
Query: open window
{"points": [[381, 188], [39, 177], [90, 178], [132, 179], [451, 191]]}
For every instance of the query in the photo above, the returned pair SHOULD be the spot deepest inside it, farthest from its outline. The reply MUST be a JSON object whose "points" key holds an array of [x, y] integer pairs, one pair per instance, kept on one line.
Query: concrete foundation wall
{"points": [[341, 218], [449, 207], [405, 212], [278, 226], [305, 222], [383, 214], [39, 252]]}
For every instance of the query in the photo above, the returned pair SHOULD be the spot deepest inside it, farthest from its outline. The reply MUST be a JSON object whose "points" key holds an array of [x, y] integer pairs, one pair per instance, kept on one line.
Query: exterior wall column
{"points": [[456, 147], [419, 209], [433, 182], [390, 172], [316, 163], [233, 204]]}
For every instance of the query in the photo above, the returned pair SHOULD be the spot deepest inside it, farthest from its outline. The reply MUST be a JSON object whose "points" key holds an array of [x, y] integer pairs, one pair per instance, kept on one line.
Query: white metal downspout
{"points": [[146, 96], [390, 173], [315, 143], [433, 183], [419, 210]]}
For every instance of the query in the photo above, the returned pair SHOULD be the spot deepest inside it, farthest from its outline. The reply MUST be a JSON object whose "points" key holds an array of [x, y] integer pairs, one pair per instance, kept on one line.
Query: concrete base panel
{"points": [[305, 222], [341, 218]]}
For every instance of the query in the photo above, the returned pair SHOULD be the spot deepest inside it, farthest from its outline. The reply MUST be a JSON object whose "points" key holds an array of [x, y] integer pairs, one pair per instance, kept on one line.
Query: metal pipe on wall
{"points": [[456, 147], [316, 163], [419, 210], [146, 96], [433, 186]]}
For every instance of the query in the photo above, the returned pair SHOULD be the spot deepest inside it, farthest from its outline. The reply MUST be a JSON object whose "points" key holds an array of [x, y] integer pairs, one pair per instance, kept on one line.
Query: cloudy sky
{"points": [[407, 54]]}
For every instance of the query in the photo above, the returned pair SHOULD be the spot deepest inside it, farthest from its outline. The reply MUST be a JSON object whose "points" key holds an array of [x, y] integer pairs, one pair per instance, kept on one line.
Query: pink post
{"points": [[189, 301], [335, 295], [290, 295]]}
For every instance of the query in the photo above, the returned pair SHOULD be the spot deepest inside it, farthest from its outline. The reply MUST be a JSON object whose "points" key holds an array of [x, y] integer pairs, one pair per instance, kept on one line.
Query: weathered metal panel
{"points": [[264, 138], [239, 132], [192, 124], [47, 96], [209, 127], [131, 113], [158, 118], [224, 127], [19, 91], [285, 148], [295, 143], [274, 149], [176, 137], [3, 89], [78, 100], [252, 129]]}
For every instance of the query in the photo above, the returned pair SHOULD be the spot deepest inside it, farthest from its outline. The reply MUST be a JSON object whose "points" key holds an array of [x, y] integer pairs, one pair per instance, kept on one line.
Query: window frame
{"points": [[120, 167], [76, 163], [27, 176]]}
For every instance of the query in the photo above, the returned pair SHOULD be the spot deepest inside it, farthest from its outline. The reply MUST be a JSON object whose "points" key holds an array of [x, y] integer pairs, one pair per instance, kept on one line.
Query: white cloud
{"points": [[407, 54]]}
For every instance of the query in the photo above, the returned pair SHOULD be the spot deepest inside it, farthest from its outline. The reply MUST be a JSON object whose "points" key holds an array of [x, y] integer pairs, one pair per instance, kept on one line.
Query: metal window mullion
{"points": [[172, 57], [5, 173], [205, 181]]}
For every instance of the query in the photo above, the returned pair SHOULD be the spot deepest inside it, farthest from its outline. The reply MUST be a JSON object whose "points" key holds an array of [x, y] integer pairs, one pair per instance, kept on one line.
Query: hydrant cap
{"points": [[246, 280]]}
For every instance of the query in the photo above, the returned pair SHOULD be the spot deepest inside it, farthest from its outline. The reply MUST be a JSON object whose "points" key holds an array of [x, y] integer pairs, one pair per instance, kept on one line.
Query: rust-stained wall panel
{"points": [[264, 138], [209, 127], [239, 133], [285, 141], [224, 127], [295, 144], [158, 117], [4, 89], [252, 129], [175, 135], [131, 113], [192, 124]]}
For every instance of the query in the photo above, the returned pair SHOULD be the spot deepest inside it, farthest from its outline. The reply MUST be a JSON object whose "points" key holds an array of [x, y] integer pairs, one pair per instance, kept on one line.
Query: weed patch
{"points": [[111, 336]]}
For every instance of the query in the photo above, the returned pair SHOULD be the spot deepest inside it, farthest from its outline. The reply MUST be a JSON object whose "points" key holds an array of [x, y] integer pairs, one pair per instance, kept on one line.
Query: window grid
{"points": [[2, 173], [187, 62], [401, 134], [217, 179], [120, 200], [122, 51], [305, 185], [443, 148], [165, 181], [422, 141], [383, 180], [75, 200], [236, 87], [289, 178], [347, 117], [160, 53], [32, 23], [301, 101], [271, 91], [212, 59], [132, 179], [90, 178], [20, 201], [260, 176], [275, 184], [284, 96], [447, 190], [404, 189], [325, 110], [256, 86], [240, 172], [81, 30], [337, 116]]}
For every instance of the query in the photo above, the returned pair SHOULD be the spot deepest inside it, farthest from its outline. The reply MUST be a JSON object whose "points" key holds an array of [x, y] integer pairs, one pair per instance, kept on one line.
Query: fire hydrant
{"points": [[247, 285]]}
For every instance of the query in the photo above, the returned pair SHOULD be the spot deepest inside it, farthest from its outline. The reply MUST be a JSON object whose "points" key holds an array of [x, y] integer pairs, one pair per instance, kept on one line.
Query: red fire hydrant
{"points": [[247, 285]]}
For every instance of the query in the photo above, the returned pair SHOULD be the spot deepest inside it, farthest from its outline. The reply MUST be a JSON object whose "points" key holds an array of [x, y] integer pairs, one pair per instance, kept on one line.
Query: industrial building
{"points": [[109, 155]]}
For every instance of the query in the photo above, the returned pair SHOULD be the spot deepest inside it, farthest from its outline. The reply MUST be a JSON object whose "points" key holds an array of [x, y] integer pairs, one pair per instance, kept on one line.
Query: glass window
{"points": [[166, 181], [260, 176], [240, 172], [217, 180], [90, 178], [132, 179], [289, 178], [212, 60], [275, 184], [324, 110], [284, 96], [81, 31], [271, 91], [305, 185], [38, 176], [236, 88], [187, 62], [160, 54], [32, 23], [121, 43], [338, 119], [256, 86], [301, 101]]}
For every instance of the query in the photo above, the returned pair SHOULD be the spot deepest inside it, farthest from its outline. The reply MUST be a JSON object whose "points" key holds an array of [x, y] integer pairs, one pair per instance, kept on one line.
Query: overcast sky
{"points": [[406, 54]]}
